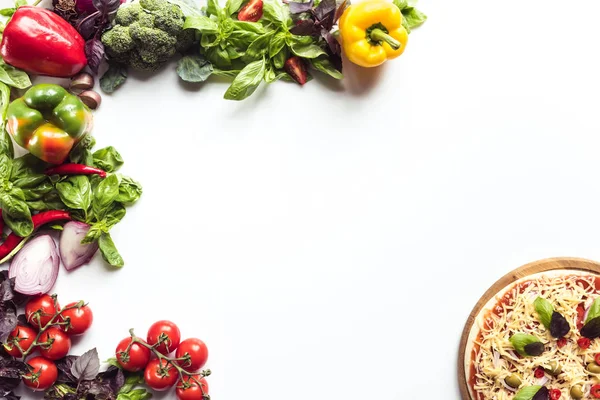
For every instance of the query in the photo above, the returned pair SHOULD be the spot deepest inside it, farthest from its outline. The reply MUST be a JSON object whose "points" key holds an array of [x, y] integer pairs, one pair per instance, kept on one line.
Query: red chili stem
{"points": [[39, 219], [75, 169]]}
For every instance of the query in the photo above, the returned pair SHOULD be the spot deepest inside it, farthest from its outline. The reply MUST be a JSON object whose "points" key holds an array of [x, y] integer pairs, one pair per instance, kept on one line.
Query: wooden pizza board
{"points": [[513, 276]]}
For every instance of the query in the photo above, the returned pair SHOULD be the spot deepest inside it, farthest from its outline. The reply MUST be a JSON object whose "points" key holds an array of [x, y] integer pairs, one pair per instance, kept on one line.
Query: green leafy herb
{"points": [[594, 310], [129, 191], [411, 17], [115, 76], [544, 310], [109, 251], [526, 345], [76, 192], [188, 7], [82, 152], [305, 48], [104, 195], [108, 159], [13, 77], [527, 393], [324, 65], [246, 82], [194, 69], [204, 24], [277, 12]]}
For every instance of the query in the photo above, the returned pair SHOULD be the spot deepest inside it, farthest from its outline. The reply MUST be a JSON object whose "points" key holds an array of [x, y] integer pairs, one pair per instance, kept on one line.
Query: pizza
{"points": [[538, 339]]}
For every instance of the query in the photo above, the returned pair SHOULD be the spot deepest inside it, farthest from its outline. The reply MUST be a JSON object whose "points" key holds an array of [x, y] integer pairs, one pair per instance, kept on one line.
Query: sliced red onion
{"points": [[35, 267], [72, 253]]}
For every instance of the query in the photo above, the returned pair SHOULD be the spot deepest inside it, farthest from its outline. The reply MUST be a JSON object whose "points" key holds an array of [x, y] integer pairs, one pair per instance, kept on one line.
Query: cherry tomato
{"points": [[583, 342], [188, 388], [555, 394], [562, 342], [160, 375], [595, 391], [252, 11], [24, 336], [79, 319], [197, 352], [57, 344], [44, 307], [167, 334], [539, 373], [43, 374], [136, 359]]}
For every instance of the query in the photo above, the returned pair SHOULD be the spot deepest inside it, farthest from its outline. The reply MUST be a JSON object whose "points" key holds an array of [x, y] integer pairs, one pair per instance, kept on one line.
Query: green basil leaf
{"points": [[218, 57], [401, 4], [248, 27], [115, 215], [109, 251], [194, 69], [75, 192], [135, 394], [50, 201], [413, 18], [544, 310], [242, 39], [8, 12], [324, 65], [277, 44], [304, 50], [38, 191], [93, 234], [247, 81], [213, 8], [188, 7], [20, 3], [104, 195], [226, 73], [5, 167], [129, 191], [113, 78], [259, 47], [16, 212], [521, 340], [32, 181], [233, 6], [279, 59], [277, 12], [233, 53], [6, 145], [205, 25], [14, 77], [26, 166], [82, 152], [527, 393], [594, 311], [108, 159]]}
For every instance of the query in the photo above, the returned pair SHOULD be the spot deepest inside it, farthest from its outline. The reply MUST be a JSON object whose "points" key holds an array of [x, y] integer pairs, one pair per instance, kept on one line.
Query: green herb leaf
{"points": [[14, 77], [82, 152], [259, 47], [16, 212], [50, 201], [20, 3], [26, 167], [115, 215], [75, 192], [544, 310], [129, 191], [279, 59], [188, 7], [401, 4], [93, 234], [302, 48], [277, 12], [194, 69], [226, 73], [109, 251], [108, 159], [527, 393], [5, 167], [104, 195], [213, 8], [205, 25], [113, 78], [277, 44], [413, 17], [521, 340], [233, 6], [38, 191], [248, 27], [594, 310], [324, 65], [246, 82], [135, 394], [8, 12]]}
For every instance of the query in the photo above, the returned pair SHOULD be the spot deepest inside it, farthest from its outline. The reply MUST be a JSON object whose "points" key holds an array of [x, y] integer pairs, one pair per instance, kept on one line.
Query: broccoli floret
{"points": [[146, 34]]}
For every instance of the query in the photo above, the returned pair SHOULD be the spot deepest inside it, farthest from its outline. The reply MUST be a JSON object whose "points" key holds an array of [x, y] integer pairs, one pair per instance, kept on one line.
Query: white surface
{"points": [[330, 243]]}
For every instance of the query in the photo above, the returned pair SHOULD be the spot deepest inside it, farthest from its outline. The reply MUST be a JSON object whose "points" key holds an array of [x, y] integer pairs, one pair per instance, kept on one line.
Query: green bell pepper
{"points": [[48, 121]]}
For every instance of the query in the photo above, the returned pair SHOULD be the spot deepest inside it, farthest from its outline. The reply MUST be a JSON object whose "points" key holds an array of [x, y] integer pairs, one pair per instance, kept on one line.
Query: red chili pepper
{"points": [[555, 394], [583, 342], [39, 219], [539, 373], [42, 43], [562, 342], [75, 169], [595, 391]]}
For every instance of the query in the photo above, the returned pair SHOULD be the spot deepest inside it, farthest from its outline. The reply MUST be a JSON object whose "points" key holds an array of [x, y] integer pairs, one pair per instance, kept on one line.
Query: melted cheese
{"points": [[494, 357]]}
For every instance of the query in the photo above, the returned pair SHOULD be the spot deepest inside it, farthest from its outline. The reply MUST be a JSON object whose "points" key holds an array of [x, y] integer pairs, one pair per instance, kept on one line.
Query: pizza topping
{"points": [[527, 345], [513, 380], [594, 310], [554, 368], [593, 368], [591, 329], [555, 394], [551, 319], [583, 343], [562, 342], [539, 373], [576, 392], [595, 391], [559, 326], [531, 393]]}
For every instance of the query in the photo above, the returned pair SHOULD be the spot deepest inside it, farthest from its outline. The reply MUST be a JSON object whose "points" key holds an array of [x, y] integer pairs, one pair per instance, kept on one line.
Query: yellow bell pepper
{"points": [[372, 32]]}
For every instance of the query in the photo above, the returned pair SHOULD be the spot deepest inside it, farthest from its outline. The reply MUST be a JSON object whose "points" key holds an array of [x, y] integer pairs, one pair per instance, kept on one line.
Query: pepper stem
{"points": [[378, 35]]}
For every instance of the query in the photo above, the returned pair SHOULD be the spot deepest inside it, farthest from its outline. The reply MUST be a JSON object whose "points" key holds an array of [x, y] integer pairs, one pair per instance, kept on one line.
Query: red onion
{"points": [[35, 267], [72, 252]]}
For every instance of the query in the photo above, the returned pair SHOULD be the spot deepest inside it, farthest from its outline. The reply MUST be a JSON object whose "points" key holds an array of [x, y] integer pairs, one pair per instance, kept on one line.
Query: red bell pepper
{"points": [[40, 42]]}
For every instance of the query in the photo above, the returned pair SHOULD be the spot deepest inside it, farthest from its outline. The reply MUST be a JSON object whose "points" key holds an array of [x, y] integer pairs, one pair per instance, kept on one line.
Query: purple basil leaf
{"points": [[325, 8], [87, 366], [333, 44], [22, 319], [340, 11], [8, 319], [10, 374], [298, 8], [87, 25], [64, 369], [94, 51], [304, 27], [336, 60], [6, 290], [11, 396], [106, 7], [114, 377]]}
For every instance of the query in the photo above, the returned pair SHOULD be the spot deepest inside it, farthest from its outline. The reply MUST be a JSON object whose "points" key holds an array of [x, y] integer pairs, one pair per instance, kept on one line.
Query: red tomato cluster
{"points": [[162, 372], [49, 331]]}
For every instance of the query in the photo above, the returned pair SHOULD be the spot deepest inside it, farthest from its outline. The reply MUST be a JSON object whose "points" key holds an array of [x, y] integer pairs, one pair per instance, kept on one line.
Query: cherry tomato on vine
{"points": [[43, 374], [197, 352], [188, 388], [136, 359], [79, 319], [167, 334], [44, 307], [57, 344], [24, 336], [160, 375]]}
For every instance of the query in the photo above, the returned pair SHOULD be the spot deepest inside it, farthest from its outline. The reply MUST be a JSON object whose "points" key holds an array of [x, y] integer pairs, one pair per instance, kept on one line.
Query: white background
{"points": [[328, 242]]}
